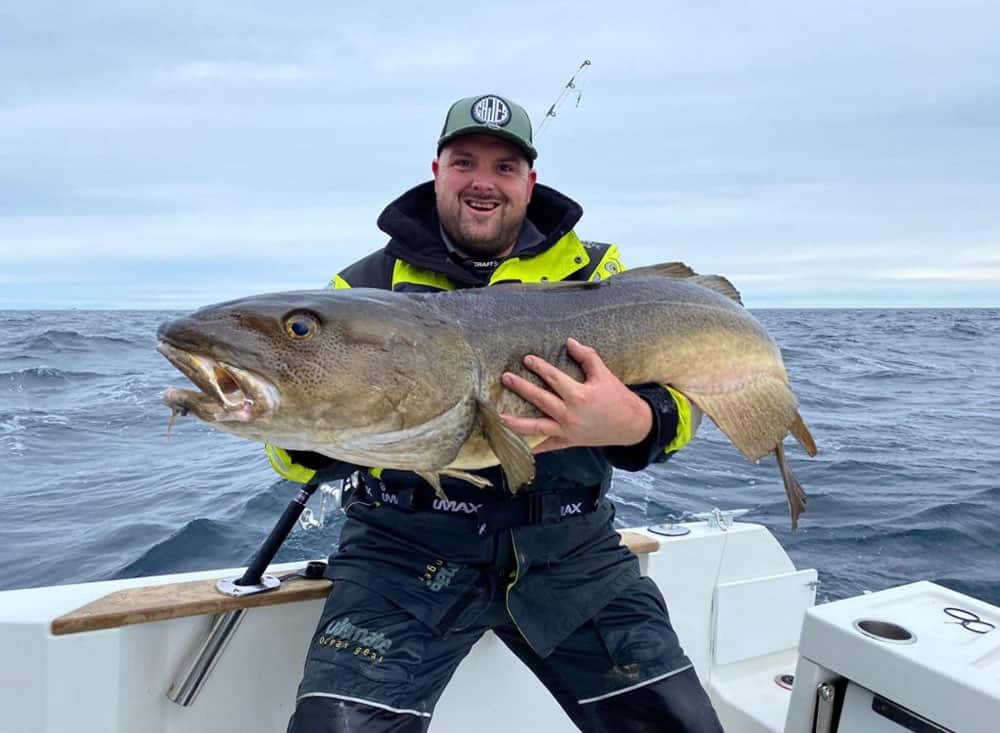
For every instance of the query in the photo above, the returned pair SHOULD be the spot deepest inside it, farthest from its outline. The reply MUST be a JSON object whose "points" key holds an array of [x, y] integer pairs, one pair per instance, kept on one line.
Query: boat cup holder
{"points": [[885, 631]]}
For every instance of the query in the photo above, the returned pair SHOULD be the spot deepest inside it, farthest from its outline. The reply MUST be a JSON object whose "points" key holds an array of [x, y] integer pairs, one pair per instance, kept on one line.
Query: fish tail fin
{"points": [[793, 489]]}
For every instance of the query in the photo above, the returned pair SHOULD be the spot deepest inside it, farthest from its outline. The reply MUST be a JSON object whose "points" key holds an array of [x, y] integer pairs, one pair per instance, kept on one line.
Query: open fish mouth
{"points": [[228, 393]]}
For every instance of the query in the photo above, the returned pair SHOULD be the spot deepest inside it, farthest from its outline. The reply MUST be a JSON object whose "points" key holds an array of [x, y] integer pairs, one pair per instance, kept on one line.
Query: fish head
{"points": [[303, 369]]}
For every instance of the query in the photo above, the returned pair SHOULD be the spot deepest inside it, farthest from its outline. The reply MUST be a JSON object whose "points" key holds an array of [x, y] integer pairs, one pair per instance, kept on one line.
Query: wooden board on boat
{"points": [[198, 597]]}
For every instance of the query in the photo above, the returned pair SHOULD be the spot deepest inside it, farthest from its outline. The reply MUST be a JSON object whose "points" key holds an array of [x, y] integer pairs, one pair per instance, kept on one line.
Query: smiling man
{"points": [[418, 578], [485, 212]]}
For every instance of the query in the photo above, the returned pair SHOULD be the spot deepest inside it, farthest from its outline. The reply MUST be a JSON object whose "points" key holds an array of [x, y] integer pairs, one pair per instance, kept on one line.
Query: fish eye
{"points": [[301, 326]]}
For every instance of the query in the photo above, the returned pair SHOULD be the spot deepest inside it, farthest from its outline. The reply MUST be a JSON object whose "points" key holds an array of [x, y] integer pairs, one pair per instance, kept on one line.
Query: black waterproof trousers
{"points": [[399, 621], [676, 704]]}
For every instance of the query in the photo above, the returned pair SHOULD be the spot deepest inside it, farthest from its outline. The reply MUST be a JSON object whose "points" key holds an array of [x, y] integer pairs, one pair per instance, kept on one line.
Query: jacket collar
{"points": [[412, 223]]}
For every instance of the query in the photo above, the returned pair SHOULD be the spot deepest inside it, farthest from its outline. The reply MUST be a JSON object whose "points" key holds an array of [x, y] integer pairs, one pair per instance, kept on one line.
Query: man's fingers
{"points": [[532, 425], [587, 357], [560, 382], [541, 398], [551, 444]]}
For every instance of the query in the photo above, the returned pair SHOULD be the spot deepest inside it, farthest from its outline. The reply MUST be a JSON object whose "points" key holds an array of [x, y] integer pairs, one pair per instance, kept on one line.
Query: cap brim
{"points": [[499, 132]]}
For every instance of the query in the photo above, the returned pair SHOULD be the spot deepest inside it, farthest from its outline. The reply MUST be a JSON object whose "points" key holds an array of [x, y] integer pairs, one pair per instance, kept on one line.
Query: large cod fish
{"points": [[412, 380]]}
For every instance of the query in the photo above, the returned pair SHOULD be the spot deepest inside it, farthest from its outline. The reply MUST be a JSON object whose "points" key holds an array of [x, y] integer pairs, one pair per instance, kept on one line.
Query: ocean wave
{"points": [[966, 328], [45, 376], [56, 340], [201, 544]]}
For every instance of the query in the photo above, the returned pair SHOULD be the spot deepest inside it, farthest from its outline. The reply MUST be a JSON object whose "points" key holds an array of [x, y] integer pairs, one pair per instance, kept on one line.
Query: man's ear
{"points": [[435, 169], [532, 177]]}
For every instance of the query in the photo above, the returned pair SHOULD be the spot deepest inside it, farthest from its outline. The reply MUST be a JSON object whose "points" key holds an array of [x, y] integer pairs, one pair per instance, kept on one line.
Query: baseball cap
{"points": [[489, 114]]}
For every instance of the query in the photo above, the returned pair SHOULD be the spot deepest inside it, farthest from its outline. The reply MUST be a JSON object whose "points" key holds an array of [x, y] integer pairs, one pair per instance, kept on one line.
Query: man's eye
{"points": [[462, 163], [505, 168]]}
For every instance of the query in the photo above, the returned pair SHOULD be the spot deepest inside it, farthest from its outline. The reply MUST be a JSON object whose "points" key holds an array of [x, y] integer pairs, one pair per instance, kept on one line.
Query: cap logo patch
{"points": [[491, 110]]}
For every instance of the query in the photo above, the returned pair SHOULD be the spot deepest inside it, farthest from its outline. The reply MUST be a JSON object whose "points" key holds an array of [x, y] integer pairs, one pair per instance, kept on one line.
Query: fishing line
{"points": [[574, 85], [715, 595]]}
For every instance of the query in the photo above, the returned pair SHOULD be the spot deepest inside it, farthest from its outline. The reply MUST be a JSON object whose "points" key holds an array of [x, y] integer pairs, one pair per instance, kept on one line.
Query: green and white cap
{"points": [[489, 114]]}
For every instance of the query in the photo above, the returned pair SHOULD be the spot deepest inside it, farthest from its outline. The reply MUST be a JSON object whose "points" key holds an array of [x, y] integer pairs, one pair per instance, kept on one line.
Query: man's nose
{"points": [[483, 183]]}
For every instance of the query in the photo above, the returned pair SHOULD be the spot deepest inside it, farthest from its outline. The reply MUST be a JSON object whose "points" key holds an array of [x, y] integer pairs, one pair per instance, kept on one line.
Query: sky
{"points": [[821, 154]]}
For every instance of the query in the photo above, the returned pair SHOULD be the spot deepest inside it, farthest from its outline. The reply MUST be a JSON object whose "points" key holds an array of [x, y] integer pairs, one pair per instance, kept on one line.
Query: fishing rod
{"points": [[572, 86]]}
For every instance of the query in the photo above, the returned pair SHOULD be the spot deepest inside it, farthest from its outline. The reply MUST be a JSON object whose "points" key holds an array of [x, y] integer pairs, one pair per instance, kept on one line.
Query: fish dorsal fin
{"points": [[675, 270], [718, 284], [681, 271], [515, 456]]}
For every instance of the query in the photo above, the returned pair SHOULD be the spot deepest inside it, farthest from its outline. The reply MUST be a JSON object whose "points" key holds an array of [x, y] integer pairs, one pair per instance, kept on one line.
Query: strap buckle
{"points": [[544, 507]]}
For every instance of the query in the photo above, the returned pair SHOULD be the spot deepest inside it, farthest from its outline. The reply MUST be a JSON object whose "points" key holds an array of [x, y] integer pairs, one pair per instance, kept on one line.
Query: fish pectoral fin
{"points": [[718, 284], [793, 489], [434, 479], [480, 482], [515, 456]]}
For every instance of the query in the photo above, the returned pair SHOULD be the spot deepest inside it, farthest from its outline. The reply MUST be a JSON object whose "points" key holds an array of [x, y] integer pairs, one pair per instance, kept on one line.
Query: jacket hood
{"points": [[412, 222]]}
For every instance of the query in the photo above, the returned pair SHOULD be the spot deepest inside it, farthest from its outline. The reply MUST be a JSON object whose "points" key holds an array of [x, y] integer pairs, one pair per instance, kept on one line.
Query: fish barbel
{"points": [[411, 381]]}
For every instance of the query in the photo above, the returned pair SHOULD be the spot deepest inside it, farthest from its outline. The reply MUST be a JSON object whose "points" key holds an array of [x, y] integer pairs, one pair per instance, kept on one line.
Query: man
{"points": [[418, 579]]}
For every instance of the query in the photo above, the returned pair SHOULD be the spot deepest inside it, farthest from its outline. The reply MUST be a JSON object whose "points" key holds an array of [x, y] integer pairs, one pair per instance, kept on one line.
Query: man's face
{"points": [[483, 186]]}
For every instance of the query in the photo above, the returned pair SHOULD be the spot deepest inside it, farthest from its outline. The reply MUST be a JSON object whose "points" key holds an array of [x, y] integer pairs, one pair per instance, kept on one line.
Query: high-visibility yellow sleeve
{"points": [[285, 467], [688, 419]]}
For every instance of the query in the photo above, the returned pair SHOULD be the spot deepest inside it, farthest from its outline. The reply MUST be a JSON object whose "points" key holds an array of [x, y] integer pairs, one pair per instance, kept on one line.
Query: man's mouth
{"points": [[227, 394], [481, 205]]}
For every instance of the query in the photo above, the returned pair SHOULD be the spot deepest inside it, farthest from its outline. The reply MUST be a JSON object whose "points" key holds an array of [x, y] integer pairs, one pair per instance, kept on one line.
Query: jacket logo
{"points": [[437, 575], [442, 579], [463, 507], [566, 509], [491, 110], [344, 631]]}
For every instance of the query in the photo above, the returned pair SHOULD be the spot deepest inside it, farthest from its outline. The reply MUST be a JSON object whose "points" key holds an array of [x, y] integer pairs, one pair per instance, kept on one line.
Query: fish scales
{"points": [[674, 332]]}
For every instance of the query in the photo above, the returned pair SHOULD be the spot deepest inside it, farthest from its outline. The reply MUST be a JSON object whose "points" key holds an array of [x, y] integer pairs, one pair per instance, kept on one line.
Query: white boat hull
{"points": [[735, 599]]}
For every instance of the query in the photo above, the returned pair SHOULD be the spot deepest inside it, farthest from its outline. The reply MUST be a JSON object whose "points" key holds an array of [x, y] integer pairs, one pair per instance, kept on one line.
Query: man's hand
{"points": [[598, 411]]}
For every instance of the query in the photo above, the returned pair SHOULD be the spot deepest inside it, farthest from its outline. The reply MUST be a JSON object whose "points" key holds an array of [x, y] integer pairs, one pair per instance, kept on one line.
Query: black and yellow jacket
{"points": [[576, 565], [416, 259]]}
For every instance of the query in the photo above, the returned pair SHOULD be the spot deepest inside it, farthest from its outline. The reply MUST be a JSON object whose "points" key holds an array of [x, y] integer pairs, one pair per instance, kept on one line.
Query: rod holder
{"points": [[184, 691]]}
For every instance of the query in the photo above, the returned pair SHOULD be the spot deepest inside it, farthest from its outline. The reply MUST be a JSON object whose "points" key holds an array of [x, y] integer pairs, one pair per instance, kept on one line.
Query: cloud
{"points": [[809, 150], [243, 72], [955, 275]]}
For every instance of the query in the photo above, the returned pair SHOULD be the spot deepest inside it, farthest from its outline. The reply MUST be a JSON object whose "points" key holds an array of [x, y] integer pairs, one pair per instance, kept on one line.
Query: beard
{"points": [[479, 240]]}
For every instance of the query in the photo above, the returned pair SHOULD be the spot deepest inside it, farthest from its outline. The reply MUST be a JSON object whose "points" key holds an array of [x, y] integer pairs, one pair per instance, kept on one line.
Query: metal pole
{"points": [[193, 675]]}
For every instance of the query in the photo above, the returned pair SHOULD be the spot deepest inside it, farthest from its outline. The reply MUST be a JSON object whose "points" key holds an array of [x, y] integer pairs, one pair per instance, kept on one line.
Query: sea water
{"points": [[904, 406]]}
